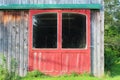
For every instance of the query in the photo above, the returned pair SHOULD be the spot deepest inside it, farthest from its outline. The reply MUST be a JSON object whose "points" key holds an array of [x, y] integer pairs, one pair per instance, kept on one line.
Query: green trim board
{"points": [[51, 6]]}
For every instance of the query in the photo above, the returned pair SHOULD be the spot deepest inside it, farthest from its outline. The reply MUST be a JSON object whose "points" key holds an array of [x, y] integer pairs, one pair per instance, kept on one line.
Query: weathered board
{"points": [[13, 38], [3, 2], [97, 43]]}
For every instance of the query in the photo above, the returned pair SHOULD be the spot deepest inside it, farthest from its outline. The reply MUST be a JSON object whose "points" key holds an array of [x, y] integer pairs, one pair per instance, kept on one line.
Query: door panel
{"points": [[61, 43], [45, 62], [75, 62]]}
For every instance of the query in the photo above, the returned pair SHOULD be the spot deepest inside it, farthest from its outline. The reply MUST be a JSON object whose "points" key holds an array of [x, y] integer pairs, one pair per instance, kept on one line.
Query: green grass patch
{"points": [[114, 74], [73, 76]]}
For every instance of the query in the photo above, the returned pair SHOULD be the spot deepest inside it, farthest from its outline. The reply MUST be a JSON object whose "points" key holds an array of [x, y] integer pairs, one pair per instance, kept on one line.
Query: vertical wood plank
{"points": [[1, 35], [5, 39], [25, 41], [40, 1], [92, 42], [98, 43], [7, 42], [97, 53], [1, 25], [11, 53], [102, 39], [21, 44], [8, 25], [17, 23], [96, 1], [93, 48], [13, 40]]}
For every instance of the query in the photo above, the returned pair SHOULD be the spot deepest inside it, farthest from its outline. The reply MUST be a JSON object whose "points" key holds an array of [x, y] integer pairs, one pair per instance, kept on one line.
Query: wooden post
{"points": [[97, 44]]}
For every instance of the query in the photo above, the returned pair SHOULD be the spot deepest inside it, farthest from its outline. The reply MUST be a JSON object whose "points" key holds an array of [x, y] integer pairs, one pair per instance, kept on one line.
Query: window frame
{"points": [[57, 31], [86, 31], [85, 12]]}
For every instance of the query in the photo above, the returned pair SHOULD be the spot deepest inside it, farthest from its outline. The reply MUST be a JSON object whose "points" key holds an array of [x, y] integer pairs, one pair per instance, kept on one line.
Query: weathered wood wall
{"points": [[3, 2], [97, 41], [14, 38]]}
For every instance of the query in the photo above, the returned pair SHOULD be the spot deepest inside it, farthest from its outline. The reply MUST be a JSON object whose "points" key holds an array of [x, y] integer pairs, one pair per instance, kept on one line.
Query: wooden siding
{"points": [[4, 2], [14, 38], [97, 42]]}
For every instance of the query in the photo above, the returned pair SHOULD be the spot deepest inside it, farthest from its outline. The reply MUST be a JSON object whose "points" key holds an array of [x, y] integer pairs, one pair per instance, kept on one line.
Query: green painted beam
{"points": [[51, 6]]}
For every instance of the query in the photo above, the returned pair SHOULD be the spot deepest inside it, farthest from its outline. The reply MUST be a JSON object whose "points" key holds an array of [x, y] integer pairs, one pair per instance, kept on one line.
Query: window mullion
{"points": [[59, 30]]}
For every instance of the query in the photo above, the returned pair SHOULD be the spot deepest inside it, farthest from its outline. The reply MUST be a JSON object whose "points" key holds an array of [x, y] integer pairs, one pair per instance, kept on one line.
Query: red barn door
{"points": [[59, 41]]}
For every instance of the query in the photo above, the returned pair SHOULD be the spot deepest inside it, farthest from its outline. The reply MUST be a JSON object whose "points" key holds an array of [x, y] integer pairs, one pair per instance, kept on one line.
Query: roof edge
{"points": [[51, 6]]}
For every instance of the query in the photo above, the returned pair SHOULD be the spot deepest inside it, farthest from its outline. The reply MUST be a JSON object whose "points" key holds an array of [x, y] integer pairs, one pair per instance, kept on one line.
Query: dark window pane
{"points": [[73, 30], [45, 30]]}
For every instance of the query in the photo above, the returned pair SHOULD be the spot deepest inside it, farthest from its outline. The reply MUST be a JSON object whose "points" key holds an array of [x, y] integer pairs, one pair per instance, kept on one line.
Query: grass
{"points": [[64, 77], [114, 74]]}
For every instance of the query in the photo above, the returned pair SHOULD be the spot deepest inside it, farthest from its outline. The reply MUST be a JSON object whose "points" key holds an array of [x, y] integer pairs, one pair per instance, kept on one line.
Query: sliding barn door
{"points": [[59, 41]]}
